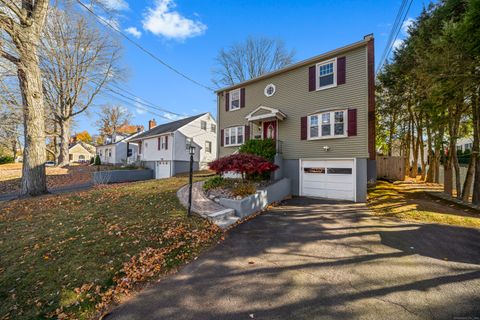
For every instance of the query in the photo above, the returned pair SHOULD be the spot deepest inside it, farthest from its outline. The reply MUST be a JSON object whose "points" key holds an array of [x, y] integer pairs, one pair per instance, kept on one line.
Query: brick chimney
{"points": [[152, 123]]}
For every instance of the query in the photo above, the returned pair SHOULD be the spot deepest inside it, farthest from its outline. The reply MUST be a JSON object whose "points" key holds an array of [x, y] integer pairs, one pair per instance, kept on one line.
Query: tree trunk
{"points": [[430, 157], [63, 157], [476, 147], [456, 166], [33, 171], [467, 185], [448, 175]]}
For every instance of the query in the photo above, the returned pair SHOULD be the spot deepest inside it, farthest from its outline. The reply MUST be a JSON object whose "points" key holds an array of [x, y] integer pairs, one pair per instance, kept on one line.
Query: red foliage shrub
{"points": [[243, 163]]}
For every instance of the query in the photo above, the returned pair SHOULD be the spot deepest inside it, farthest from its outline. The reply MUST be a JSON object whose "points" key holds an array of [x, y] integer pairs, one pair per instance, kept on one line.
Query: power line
{"points": [[392, 32], [139, 46], [396, 27], [398, 31]]}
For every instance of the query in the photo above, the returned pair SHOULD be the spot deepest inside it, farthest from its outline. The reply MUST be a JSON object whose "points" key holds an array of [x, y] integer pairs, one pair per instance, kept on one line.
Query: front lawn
{"points": [[411, 202], [67, 256]]}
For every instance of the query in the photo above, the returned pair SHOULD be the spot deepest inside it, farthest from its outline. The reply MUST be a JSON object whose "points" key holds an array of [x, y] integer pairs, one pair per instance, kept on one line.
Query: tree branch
{"points": [[9, 57]]}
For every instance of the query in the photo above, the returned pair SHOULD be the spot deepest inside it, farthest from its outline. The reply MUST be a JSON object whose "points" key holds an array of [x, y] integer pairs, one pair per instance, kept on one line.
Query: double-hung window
{"points": [[326, 74], [213, 128], [203, 125], [208, 146], [163, 144], [233, 136], [234, 100], [327, 124]]}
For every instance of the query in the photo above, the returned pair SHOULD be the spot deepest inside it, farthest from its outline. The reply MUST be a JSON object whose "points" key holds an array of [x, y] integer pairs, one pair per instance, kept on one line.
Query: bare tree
{"points": [[111, 118], [22, 22], [250, 59], [83, 61]]}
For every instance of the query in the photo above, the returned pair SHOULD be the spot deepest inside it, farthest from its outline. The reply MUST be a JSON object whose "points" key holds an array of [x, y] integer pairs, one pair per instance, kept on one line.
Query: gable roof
{"points": [[306, 62], [167, 127], [88, 147]]}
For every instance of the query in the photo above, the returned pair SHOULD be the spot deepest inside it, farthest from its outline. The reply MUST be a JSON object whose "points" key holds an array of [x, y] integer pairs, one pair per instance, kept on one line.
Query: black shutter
{"points": [[312, 83], [341, 70], [303, 128], [227, 101], [247, 132], [222, 137], [352, 122], [242, 98]]}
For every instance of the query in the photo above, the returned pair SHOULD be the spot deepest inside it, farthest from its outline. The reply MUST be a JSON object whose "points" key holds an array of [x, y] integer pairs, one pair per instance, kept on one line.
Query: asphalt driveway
{"points": [[311, 259]]}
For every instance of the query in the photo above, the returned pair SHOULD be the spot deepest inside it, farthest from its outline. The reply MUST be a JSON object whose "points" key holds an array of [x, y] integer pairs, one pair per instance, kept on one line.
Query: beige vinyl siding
{"points": [[293, 98]]}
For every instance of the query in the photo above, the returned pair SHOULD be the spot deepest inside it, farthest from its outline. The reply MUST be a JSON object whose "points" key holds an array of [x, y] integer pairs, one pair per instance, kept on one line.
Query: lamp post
{"points": [[191, 150]]}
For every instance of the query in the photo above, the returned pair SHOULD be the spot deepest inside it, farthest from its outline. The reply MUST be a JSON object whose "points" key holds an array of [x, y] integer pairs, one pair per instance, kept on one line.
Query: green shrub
{"points": [[6, 159], [97, 160], [264, 148], [244, 189], [213, 182]]}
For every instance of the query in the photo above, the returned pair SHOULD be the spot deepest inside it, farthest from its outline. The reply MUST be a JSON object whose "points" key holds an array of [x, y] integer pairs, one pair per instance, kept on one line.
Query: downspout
{"points": [[173, 152]]}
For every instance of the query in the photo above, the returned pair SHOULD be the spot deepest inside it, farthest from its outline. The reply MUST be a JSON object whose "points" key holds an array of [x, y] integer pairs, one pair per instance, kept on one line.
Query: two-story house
{"points": [[321, 112], [165, 148]]}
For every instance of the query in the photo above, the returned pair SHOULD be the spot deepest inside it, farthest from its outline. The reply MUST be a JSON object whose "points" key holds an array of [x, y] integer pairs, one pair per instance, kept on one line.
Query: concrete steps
{"points": [[223, 218]]}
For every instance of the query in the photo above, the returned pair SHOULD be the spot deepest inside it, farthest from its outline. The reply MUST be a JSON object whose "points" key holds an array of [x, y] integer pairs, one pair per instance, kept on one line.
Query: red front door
{"points": [[270, 130]]}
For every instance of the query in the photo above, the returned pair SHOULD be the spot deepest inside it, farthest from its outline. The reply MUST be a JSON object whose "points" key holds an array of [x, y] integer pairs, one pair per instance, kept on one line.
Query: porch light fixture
{"points": [[191, 150]]}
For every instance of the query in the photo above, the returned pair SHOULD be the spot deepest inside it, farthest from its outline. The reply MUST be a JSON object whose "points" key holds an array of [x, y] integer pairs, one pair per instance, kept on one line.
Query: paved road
{"points": [[310, 259]]}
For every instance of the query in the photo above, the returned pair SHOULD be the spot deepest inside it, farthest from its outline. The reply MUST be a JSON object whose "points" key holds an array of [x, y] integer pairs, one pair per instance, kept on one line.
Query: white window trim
{"points": [[225, 144], [163, 142], [206, 125], [208, 144], [332, 125], [265, 91], [230, 106], [317, 75]]}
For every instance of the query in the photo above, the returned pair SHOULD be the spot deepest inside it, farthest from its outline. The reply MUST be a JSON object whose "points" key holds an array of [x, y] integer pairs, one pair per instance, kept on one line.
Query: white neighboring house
{"points": [[164, 148], [465, 144], [118, 149]]}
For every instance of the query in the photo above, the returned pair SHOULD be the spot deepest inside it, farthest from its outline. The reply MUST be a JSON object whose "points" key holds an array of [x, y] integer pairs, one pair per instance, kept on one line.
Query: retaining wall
{"points": [[115, 176], [275, 192]]}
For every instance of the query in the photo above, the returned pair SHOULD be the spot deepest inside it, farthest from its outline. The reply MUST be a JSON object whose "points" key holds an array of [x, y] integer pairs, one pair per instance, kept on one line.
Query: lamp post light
{"points": [[191, 150]]}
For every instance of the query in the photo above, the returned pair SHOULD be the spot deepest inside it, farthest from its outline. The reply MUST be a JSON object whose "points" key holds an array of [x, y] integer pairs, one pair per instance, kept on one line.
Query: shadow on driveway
{"points": [[312, 259]]}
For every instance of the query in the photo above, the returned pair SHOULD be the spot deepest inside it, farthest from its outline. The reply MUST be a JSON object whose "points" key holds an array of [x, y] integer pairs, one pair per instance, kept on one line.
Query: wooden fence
{"points": [[391, 168]]}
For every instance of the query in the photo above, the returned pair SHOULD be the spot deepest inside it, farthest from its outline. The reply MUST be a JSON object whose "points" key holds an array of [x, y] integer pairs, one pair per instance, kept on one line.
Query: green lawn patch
{"points": [[68, 256], [411, 202]]}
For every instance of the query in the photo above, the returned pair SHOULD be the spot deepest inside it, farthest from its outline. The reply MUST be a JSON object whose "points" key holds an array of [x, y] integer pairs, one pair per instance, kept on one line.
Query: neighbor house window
{"points": [[203, 125], [234, 99], [469, 146], [208, 146], [326, 74], [332, 124], [213, 128], [163, 142], [233, 136]]}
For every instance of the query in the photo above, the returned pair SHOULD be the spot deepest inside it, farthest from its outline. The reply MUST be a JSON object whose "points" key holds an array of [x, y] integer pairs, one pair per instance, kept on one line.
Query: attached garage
{"points": [[162, 169], [332, 178]]}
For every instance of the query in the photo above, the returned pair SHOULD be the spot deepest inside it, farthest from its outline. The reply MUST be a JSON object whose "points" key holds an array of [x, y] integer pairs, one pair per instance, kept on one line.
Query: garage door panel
{"points": [[327, 185], [328, 179], [162, 169]]}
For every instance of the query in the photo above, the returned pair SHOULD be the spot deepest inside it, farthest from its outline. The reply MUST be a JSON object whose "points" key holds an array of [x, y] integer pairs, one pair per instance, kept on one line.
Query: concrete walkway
{"points": [[312, 259], [223, 217], [65, 189]]}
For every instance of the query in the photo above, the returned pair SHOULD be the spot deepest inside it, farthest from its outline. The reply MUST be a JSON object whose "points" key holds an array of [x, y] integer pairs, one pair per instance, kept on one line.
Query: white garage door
{"points": [[162, 169], [333, 179]]}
